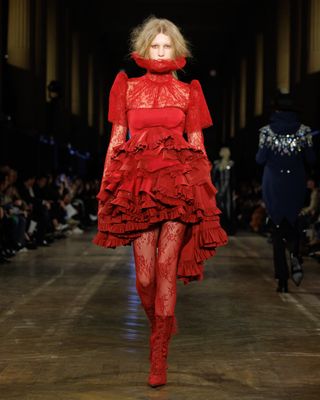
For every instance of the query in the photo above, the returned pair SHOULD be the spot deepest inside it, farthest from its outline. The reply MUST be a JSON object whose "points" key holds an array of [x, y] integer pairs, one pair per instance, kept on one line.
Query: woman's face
{"points": [[161, 48]]}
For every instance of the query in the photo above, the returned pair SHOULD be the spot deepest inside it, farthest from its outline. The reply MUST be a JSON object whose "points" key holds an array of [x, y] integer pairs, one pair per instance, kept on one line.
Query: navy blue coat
{"points": [[285, 145]]}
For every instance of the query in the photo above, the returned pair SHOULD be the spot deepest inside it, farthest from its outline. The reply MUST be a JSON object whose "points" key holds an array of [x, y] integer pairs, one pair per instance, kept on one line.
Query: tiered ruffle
{"points": [[157, 176]]}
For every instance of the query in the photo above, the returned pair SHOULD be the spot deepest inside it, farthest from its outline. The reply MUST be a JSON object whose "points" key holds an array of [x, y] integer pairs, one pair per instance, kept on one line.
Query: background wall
{"points": [[59, 59]]}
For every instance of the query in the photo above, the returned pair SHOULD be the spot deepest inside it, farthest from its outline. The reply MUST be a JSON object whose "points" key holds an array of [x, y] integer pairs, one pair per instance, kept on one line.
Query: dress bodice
{"points": [[172, 118]]}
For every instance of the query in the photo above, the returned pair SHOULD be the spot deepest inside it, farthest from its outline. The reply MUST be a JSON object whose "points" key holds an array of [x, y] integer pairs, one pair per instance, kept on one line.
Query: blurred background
{"points": [[58, 60]]}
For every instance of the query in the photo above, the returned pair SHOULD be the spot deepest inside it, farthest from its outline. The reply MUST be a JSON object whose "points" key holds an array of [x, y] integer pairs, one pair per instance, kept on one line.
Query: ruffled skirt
{"points": [[154, 177]]}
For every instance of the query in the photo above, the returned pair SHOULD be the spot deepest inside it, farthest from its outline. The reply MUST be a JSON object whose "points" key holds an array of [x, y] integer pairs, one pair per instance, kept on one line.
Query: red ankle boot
{"points": [[159, 343]]}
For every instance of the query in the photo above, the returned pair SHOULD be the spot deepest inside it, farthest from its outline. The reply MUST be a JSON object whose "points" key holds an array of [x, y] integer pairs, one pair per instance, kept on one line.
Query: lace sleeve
{"points": [[196, 140], [117, 114], [118, 137], [198, 116]]}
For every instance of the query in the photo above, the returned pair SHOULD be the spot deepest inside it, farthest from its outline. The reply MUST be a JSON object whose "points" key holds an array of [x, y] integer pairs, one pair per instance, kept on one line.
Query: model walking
{"points": [[285, 148], [156, 192]]}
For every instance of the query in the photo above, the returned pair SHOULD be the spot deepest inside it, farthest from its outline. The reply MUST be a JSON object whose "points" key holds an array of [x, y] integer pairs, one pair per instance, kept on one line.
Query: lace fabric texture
{"points": [[198, 115], [156, 256], [118, 137], [117, 100], [165, 91], [170, 241], [157, 91], [196, 140], [145, 254], [157, 178]]}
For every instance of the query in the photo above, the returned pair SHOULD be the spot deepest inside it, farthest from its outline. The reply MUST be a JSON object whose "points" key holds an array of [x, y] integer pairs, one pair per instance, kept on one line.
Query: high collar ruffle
{"points": [[159, 66]]}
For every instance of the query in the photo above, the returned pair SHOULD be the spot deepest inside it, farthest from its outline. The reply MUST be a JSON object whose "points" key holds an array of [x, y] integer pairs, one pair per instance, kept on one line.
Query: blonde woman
{"points": [[156, 192]]}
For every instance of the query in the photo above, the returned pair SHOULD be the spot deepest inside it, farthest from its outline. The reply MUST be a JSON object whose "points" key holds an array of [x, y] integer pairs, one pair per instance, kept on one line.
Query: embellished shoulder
{"points": [[198, 115], [304, 130], [265, 129], [117, 100], [287, 144]]}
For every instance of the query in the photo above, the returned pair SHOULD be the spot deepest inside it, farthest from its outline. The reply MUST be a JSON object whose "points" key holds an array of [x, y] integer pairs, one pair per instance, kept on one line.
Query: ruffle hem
{"points": [[158, 176]]}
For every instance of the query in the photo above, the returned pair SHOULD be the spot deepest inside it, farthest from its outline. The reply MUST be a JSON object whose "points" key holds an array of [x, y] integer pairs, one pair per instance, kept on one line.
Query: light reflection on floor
{"points": [[132, 318], [238, 338]]}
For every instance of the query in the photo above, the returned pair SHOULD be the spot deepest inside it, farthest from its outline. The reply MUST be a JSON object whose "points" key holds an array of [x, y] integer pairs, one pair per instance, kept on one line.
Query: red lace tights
{"points": [[156, 255]]}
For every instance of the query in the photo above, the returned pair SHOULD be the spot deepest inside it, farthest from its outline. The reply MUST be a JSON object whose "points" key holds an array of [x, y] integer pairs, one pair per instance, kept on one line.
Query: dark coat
{"points": [[285, 145]]}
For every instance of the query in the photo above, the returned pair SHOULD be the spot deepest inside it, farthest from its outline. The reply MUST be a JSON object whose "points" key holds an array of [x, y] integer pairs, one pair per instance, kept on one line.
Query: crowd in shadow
{"points": [[36, 210], [251, 215]]}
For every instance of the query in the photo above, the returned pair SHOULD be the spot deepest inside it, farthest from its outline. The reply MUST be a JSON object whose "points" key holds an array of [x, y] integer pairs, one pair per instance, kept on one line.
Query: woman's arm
{"points": [[117, 116], [262, 155], [196, 140], [198, 117], [118, 137]]}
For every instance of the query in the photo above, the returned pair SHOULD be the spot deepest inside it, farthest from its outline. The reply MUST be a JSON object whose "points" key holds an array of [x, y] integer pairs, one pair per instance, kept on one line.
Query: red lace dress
{"points": [[156, 175]]}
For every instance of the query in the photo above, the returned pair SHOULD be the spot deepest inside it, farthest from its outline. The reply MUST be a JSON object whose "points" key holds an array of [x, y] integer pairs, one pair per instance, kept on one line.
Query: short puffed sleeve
{"points": [[198, 116], [117, 100]]}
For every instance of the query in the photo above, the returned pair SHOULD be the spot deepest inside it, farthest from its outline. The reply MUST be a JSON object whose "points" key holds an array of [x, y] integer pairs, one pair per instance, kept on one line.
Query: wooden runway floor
{"points": [[72, 328]]}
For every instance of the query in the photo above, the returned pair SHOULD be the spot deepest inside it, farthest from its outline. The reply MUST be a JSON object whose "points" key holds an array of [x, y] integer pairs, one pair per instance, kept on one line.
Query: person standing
{"points": [[223, 178], [156, 192], [285, 147]]}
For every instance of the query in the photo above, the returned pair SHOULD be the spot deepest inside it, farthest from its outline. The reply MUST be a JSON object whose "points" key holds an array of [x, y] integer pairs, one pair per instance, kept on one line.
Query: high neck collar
{"points": [[159, 66], [284, 116], [284, 122]]}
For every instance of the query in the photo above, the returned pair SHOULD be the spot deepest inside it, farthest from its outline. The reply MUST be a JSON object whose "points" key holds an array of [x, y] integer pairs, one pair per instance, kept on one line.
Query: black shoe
{"points": [[283, 286], [296, 270], [31, 245]]}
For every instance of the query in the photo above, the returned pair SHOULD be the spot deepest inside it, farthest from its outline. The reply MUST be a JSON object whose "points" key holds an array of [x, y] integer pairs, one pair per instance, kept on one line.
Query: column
{"points": [[314, 37], [283, 46], [75, 75], [233, 108], [19, 34], [90, 92], [2, 47], [243, 92], [102, 116], [52, 44], [258, 104]]}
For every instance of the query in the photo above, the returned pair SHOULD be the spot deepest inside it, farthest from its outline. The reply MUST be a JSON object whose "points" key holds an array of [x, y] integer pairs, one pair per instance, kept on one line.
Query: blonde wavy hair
{"points": [[142, 36]]}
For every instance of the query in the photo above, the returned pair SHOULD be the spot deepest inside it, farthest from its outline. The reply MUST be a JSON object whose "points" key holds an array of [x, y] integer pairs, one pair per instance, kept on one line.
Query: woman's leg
{"points": [[293, 237], [145, 251], [279, 252], [281, 271], [170, 241]]}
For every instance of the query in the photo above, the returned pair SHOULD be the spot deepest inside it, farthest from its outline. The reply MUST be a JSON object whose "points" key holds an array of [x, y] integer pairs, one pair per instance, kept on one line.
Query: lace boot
{"points": [[164, 327], [150, 314], [174, 330]]}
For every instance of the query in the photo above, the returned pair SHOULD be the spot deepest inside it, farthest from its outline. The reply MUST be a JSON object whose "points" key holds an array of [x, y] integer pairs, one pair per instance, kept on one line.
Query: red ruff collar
{"points": [[159, 66]]}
